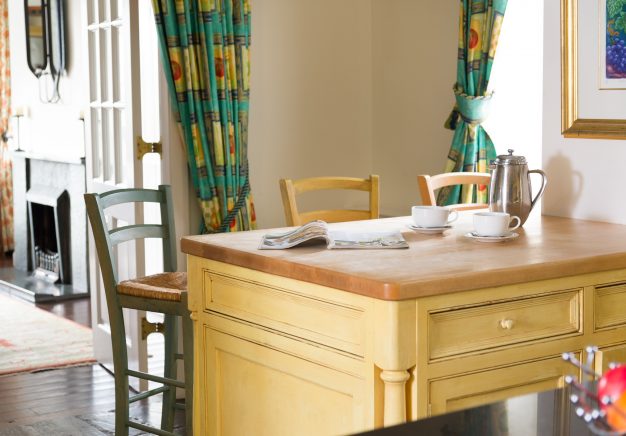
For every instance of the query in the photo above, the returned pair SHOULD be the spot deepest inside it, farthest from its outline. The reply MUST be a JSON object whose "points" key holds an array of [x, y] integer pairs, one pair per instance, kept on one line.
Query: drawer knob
{"points": [[506, 324]]}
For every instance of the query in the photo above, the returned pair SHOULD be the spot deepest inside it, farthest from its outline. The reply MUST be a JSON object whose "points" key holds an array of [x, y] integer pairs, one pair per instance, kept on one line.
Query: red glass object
{"points": [[616, 414], [612, 384]]}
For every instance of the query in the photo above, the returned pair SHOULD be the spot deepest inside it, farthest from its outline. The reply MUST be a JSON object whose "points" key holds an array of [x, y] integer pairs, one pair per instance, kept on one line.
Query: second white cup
{"points": [[494, 223], [433, 216]]}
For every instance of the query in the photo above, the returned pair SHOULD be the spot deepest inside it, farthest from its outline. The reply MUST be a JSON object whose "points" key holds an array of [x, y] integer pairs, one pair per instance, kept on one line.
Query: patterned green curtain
{"points": [[205, 46], [479, 29]]}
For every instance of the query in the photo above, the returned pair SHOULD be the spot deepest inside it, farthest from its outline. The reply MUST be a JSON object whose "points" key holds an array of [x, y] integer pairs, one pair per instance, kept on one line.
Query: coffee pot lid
{"points": [[509, 159]]}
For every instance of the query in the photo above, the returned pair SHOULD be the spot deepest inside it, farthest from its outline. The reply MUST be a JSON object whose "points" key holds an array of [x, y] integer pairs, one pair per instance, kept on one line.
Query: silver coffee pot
{"points": [[510, 189]]}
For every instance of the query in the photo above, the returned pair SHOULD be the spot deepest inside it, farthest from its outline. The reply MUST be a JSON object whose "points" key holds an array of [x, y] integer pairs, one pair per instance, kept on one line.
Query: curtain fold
{"points": [[205, 47], [6, 167], [480, 22]]}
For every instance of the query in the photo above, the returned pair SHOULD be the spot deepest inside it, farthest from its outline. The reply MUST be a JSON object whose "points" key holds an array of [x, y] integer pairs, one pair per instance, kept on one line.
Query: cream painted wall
{"points": [[586, 176], [414, 66], [311, 101], [348, 87], [49, 129]]}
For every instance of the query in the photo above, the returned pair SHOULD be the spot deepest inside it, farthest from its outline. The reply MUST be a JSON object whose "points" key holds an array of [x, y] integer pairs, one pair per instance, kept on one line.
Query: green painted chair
{"points": [[164, 293]]}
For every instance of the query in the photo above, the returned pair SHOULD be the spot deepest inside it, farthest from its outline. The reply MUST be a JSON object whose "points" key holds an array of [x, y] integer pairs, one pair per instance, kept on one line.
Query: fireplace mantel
{"points": [[61, 173], [49, 158]]}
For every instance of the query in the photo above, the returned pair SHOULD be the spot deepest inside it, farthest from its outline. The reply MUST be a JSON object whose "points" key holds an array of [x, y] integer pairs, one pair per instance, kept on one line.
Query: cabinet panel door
{"points": [[607, 355], [464, 391], [253, 389]]}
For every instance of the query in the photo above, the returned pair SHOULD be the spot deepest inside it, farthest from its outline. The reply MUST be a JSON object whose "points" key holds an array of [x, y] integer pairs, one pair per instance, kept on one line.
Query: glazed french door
{"points": [[113, 122]]}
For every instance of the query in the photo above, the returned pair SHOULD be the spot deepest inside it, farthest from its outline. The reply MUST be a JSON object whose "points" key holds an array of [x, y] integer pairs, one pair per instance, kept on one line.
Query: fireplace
{"points": [[49, 231], [50, 256]]}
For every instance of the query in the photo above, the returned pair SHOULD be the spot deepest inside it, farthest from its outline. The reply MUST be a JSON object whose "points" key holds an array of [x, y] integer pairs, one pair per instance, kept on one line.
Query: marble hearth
{"points": [[48, 184]]}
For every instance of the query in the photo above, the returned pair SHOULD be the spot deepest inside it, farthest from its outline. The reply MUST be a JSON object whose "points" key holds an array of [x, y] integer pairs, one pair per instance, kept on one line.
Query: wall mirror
{"points": [[45, 44], [36, 37], [57, 36]]}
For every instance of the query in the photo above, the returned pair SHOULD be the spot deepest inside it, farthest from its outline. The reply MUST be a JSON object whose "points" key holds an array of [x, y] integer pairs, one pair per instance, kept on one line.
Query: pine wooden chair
{"points": [[429, 184], [164, 293], [289, 189]]}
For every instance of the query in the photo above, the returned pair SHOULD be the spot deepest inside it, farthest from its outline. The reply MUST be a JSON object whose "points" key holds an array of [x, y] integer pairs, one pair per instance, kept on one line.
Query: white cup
{"points": [[494, 223], [433, 216]]}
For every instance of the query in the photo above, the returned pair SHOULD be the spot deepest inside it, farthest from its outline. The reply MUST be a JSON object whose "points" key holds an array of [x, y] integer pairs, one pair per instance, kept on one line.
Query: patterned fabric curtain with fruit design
{"points": [[479, 29], [6, 171], [205, 47]]}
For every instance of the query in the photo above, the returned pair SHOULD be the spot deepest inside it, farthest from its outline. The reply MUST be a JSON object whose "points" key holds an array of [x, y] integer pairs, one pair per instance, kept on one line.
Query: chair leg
{"points": [[170, 371], [121, 403], [188, 359], [120, 370]]}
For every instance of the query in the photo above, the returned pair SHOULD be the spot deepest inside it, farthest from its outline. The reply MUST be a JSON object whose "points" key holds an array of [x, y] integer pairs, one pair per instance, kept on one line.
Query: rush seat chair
{"points": [[164, 293], [289, 189]]}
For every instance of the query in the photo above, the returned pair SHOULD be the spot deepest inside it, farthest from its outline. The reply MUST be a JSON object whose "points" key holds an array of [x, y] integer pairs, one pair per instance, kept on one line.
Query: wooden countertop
{"points": [[548, 247]]}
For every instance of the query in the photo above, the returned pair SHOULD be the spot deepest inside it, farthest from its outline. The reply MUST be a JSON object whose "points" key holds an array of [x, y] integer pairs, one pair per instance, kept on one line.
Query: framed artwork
{"points": [[593, 69], [612, 48]]}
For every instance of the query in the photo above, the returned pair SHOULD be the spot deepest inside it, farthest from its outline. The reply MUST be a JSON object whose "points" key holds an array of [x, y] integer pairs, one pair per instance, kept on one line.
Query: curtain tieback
{"points": [[474, 110], [241, 200]]}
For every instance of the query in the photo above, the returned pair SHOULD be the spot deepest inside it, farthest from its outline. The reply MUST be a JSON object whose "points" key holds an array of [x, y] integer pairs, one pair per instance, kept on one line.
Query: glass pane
{"points": [[114, 10], [91, 11], [117, 147], [108, 144], [105, 60], [94, 71], [102, 10], [96, 142], [115, 64]]}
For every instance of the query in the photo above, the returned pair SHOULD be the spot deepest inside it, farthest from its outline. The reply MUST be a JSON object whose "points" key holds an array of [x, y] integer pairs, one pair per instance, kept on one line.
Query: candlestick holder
{"points": [[600, 399]]}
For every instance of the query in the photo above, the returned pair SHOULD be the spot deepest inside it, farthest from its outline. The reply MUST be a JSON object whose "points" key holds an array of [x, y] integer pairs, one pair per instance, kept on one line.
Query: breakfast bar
{"points": [[315, 341]]}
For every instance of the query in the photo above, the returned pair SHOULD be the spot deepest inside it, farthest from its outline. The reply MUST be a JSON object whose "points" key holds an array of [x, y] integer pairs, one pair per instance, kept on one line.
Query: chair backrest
{"points": [[289, 189], [106, 239], [429, 184]]}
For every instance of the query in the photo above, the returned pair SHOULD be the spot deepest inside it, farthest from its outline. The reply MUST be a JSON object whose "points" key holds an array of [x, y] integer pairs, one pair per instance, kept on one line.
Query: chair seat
{"points": [[165, 286]]}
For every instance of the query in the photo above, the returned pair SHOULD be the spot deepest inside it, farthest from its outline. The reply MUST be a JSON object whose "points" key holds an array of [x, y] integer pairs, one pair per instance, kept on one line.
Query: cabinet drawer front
{"points": [[609, 303], [472, 390], [459, 331], [313, 318]]}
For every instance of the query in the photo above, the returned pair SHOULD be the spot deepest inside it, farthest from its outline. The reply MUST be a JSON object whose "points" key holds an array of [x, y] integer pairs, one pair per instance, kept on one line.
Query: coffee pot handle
{"points": [[544, 182]]}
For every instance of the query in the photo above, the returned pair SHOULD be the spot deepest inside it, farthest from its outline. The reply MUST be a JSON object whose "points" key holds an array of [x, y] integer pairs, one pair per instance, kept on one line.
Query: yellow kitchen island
{"points": [[315, 341]]}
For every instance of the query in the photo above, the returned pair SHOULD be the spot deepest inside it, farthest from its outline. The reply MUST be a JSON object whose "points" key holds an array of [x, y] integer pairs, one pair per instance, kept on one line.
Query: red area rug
{"points": [[32, 339]]}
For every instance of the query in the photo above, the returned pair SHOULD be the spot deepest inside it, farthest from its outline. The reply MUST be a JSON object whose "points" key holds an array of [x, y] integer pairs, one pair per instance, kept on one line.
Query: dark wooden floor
{"points": [[70, 401], [77, 310]]}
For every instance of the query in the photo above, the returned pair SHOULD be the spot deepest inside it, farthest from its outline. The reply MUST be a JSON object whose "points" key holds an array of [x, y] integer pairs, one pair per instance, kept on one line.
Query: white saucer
{"points": [[509, 236], [429, 230]]}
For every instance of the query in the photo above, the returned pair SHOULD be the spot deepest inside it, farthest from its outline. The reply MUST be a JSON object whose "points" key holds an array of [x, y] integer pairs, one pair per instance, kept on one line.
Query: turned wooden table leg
{"points": [[395, 396], [395, 353]]}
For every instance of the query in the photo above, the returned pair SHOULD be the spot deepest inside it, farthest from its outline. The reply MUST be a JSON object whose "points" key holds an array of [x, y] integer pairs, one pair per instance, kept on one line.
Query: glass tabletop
{"points": [[541, 414]]}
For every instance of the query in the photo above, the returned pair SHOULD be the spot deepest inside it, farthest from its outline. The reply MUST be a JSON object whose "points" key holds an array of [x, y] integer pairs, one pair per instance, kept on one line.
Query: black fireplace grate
{"points": [[48, 213]]}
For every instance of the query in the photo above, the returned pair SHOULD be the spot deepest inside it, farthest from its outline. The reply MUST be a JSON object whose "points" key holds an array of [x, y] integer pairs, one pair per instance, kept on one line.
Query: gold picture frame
{"points": [[571, 125]]}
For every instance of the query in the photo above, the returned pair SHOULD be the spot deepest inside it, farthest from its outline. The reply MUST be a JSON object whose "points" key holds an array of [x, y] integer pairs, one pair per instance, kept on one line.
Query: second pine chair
{"points": [[429, 184], [289, 189]]}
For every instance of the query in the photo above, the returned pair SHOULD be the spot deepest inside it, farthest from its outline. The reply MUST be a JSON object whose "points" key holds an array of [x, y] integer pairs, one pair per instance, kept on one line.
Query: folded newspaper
{"points": [[334, 238]]}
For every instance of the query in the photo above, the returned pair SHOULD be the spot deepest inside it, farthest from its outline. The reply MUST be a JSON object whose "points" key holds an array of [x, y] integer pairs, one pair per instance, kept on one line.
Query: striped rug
{"points": [[32, 339]]}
